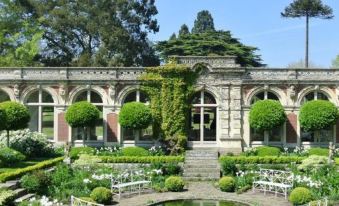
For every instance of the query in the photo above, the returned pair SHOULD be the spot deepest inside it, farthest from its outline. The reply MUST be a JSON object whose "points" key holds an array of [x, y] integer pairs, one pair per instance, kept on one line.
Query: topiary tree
{"points": [[17, 117], [227, 184], [300, 196], [82, 114], [135, 115], [318, 114], [266, 115]]}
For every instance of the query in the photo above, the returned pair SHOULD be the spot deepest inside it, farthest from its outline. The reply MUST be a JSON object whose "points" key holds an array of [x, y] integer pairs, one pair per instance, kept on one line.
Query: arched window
{"points": [[203, 117], [321, 136], [264, 95], [96, 132], [266, 137], [41, 108], [4, 96], [141, 135]]}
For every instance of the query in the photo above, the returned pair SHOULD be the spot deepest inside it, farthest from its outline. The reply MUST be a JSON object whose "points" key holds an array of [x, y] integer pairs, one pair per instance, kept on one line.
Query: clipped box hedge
{"points": [[20, 172], [143, 159], [261, 160]]}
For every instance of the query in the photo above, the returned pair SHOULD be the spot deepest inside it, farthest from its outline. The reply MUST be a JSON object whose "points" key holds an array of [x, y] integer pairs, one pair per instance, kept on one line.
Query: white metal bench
{"points": [[131, 181], [276, 181], [79, 202]]}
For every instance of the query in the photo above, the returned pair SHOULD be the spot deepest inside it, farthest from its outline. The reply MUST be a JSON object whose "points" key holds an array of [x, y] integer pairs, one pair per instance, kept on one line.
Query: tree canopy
{"points": [[203, 23], [183, 30], [85, 33], [335, 62]]}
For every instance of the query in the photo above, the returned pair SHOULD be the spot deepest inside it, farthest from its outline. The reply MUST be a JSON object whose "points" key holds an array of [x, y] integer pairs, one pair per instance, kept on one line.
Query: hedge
{"points": [[20, 172], [261, 160], [147, 159]]}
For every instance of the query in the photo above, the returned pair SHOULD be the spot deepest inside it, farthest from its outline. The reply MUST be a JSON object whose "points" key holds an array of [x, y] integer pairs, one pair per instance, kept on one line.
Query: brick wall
{"points": [[112, 127], [291, 128], [62, 128]]}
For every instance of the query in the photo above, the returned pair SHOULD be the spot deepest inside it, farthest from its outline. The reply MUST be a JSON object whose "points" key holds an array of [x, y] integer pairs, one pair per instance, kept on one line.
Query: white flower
{"points": [[86, 181]]}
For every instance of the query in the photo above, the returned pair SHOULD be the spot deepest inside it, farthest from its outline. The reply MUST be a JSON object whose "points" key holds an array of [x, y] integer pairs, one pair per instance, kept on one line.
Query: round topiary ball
{"points": [[317, 115], [82, 114], [300, 196], [3, 119], [266, 115], [174, 184], [102, 195], [17, 115], [227, 184], [135, 115]]}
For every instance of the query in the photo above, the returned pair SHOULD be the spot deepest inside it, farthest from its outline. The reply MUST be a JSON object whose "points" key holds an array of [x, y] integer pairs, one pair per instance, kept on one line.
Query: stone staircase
{"points": [[20, 193], [201, 165]]}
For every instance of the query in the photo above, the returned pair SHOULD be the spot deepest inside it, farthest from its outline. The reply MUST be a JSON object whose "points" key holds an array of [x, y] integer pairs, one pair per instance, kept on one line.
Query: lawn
{"points": [[23, 164]]}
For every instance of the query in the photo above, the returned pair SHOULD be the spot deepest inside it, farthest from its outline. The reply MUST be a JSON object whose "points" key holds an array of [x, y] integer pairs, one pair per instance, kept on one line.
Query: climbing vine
{"points": [[170, 88]]}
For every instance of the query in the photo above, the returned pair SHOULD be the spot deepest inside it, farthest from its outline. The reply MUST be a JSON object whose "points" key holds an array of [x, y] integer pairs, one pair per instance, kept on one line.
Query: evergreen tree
{"points": [[308, 9], [335, 62], [173, 37], [203, 23], [183, 30]]}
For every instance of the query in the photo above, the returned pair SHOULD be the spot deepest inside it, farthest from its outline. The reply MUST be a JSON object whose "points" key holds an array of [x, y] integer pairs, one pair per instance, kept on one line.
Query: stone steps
{"points": [[201, 165], [10, 185], [24, 197]]}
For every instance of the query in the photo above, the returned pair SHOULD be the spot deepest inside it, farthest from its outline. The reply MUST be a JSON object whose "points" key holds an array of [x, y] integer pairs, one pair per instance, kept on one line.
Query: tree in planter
{"points": [[317, 115], [135, 116], [82, 114], [17, 117], [266, 115]]}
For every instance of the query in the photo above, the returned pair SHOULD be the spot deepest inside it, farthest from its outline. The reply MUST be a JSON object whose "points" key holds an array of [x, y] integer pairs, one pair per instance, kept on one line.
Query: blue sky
{"points": [[258, 23]]}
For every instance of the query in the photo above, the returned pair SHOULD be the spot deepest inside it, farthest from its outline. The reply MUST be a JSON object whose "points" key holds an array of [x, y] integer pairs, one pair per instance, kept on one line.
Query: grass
{"points": [[23, 164]]}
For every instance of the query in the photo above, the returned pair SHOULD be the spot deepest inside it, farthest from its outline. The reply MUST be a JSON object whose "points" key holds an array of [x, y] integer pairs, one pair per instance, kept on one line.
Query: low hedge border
{"points": [[143, 159], [261, 160], [20, 172]]}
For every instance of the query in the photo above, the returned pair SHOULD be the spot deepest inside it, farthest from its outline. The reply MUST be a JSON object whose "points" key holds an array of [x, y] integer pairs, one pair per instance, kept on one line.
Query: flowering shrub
{"points": [[108, 151], [37, 182], [31, 144], [312, 162], [44, 201], [156, 151]]}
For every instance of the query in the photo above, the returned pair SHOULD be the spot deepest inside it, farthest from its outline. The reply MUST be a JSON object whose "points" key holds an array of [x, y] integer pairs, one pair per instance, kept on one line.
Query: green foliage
{"points": [[300, 196], [148, 159], [3, 119], [9, 156], [170, 88], [183, 31], [335, 63], [266, 115], [86, 160], [135, 115], [318, 151], [77, 151], [203, 23], [134, 151], [82, 114], [312, 162], [6, 197], [37, 182], [310, 8], [102, 195], [268, 151], [218, 43], [228, 167], [87, 199], [227, 184], [318, 114], [19, 172], [17, 116], [174, 184], [262, 160]]}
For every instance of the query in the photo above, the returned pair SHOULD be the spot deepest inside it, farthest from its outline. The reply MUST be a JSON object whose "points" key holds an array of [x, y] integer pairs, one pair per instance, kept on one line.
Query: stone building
{"points": [[219, 116]]}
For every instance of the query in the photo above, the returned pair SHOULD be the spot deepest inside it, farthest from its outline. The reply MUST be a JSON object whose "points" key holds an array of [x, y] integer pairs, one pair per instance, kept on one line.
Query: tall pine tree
{"points": [[203, 23]]}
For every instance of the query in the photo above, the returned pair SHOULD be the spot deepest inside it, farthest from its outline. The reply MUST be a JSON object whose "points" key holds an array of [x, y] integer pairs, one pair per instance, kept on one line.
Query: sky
{"points": [[258, 23]]}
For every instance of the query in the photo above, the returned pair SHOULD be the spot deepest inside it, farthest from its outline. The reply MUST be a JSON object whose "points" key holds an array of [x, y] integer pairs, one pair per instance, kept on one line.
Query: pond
{"points": [[199, 203]]}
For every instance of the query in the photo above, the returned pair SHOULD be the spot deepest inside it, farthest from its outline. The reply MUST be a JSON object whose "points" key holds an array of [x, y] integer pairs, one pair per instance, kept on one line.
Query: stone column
{"points": [[224, 125], [235, 112], [62, 126]]}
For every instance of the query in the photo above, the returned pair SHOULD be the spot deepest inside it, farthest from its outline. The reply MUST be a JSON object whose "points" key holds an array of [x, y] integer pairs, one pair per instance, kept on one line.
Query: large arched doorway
{"points": [[203, 118]]}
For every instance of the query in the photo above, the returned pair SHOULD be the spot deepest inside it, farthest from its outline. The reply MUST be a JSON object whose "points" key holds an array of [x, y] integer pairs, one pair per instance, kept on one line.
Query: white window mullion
{"points": [[89, 96], [138, 96], [316, 95], [265, 95], [40, 119]]}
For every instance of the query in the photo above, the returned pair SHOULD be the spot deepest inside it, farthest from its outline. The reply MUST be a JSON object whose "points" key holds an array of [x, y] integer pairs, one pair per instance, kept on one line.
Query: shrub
{"points": [[31, 144], [227, 184], [77, 151], [101, 195], [312, 162], [317, 115], [19, 172], [268, 151], [228, 167], [171, 169], [266, 115], [318, 151], [134, 151], [148, 159], [10, 156], [174, 184], [135, 115], [3, 119], [300, 196], [6, 197], [262, 160], [87, 160], [17, 116], [37, 182]]}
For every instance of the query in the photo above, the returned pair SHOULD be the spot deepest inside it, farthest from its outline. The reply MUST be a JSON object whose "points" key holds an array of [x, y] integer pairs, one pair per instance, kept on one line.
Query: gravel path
{"points": [[205, 190]]}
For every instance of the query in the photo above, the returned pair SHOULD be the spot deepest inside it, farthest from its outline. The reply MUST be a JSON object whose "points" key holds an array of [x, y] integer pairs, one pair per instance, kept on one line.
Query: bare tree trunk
{"points": [[307, 40]]}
